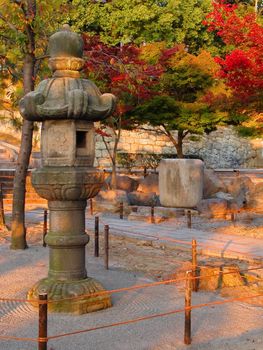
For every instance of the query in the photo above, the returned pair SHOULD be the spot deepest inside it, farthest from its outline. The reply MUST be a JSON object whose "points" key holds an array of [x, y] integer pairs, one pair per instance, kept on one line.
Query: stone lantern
{"points": [[67, 106]]}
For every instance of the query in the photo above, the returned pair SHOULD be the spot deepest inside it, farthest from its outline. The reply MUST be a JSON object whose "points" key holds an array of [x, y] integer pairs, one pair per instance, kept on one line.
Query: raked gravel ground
{"points": [[235, 326]]}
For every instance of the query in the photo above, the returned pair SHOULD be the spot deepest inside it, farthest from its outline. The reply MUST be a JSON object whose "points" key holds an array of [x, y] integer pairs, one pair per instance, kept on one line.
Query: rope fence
{"points": [[201, 245], [191, 283], [43, 339]]}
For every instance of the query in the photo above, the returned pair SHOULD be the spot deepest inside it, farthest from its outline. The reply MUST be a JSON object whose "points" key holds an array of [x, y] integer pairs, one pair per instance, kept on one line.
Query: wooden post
{"points": [[194, 265], [187, 315], [144, 171], [96, 237], [121, 210], [45, 228], [233, 217], [91, 206], [189, 219], [2, 212], [152, 214], [106, 247], [42, 322]]}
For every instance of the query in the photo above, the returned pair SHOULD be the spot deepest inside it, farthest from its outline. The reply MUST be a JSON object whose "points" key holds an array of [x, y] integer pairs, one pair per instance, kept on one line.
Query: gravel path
{"points": [[231, 326]]}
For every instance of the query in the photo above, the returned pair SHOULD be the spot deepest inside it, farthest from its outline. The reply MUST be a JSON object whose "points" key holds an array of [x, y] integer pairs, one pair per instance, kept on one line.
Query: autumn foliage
{"points": [[242, 66]]}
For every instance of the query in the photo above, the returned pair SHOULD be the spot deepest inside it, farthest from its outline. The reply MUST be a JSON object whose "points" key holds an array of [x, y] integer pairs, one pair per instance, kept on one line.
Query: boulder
{"points": [[241, 187], [145, 199], [149, 184], [224, 195], [123, 182], [214, 277], [213, 208], [255, 197], [212, 183], [109, 201], [209, 278]]}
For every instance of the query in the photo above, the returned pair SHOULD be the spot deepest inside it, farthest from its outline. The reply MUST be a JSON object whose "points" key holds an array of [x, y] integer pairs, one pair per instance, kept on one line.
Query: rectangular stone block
{"points": [[181, 182]]}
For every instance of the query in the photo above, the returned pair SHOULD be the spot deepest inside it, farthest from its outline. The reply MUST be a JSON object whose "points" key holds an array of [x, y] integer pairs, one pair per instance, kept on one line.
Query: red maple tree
{"points": [[121, 71], [242, 66]]}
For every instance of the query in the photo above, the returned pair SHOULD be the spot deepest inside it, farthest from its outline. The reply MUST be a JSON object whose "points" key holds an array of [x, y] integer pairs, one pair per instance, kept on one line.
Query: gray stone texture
{"points": [[181, 182], [67, 106], [149, 184]]}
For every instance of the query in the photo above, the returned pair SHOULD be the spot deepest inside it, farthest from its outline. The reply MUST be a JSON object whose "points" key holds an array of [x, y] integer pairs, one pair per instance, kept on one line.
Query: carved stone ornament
{"points": [[67, 184], [65, 95]]}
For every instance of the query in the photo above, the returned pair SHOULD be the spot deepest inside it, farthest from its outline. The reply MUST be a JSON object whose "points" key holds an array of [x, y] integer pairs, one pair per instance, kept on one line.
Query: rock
{"points": [[214, 277], [124, 183], [231, 277], [255, 197], [211, 282], [145, 199], [180, 182], [212, 183], [149, 184], [224, 195], [109, 201], [213, 208], [240, 188]]}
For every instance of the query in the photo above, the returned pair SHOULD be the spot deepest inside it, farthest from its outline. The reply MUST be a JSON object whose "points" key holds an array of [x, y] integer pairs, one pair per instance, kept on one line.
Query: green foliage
{"points": [[138, 21], [250, 132], [139, 160], [14, 43], [126, 160]]}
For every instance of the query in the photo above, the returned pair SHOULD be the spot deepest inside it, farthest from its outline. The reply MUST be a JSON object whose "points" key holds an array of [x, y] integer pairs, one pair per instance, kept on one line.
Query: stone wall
{"points": [[222, 148]]}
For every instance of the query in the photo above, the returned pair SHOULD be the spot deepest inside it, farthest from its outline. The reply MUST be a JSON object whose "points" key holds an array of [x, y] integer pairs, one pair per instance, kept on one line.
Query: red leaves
{"points": [[101, 132], [242, 68], [121, 71]]}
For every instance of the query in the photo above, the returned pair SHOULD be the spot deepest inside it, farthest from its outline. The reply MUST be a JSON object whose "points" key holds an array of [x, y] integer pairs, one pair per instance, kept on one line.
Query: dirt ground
{"points": [[161, 263]]}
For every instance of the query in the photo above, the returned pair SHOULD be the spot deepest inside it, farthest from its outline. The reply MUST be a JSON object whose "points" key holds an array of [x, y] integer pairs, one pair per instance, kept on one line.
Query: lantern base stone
{"points": [[75, 297]]}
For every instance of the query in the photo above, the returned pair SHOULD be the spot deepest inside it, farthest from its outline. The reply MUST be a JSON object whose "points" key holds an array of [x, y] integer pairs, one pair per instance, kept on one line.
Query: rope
{"points": [[120, 290], [220, 302]]}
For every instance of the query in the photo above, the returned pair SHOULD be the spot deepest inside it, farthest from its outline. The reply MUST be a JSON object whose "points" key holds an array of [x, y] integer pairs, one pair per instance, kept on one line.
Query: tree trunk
{"points": [[117, 134], [179, 147], [113, 176], [18, 237], [178, 144]]}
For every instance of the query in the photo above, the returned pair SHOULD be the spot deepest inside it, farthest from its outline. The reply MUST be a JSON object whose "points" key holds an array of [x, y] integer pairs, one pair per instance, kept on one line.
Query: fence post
{"points": [[233, 217], [152, 214], [144, 171], [121, 210], [42, 321], [45, 228], [2, 212], [106, 246], [194, 264], [91, 207], [189, 219], [187, 314], [96, 237]]}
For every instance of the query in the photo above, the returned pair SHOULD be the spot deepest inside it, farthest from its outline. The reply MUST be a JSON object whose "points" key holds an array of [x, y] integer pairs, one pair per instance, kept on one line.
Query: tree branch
{"points": [[107, 148]]}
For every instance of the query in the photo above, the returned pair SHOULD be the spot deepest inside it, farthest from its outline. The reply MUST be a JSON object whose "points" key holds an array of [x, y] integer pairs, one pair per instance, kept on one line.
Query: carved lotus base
{"points": [[79, 294], [67, 183]]}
